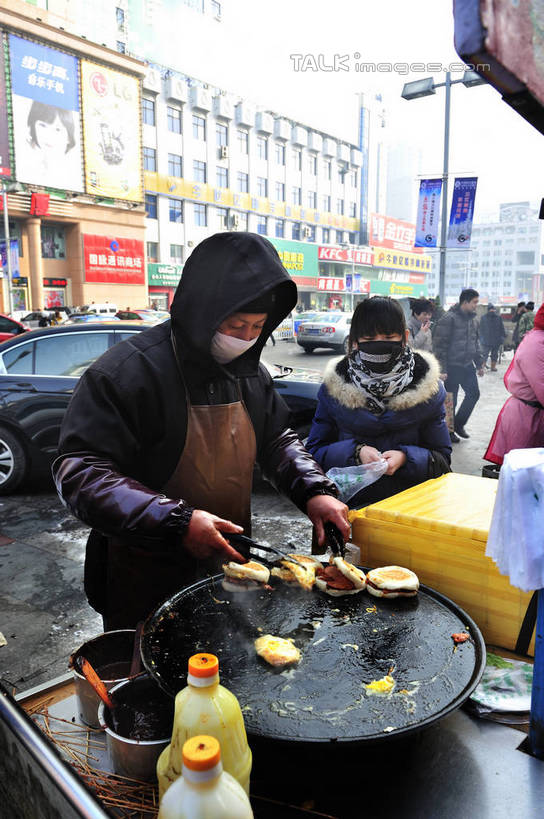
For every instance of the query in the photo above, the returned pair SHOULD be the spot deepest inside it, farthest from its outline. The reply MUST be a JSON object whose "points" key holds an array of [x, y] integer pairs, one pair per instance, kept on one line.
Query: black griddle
{"points": [[345, 642]]}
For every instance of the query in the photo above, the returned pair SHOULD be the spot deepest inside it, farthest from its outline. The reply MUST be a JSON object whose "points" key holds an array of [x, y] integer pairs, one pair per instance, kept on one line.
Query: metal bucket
{"points": [[110, 654], [136, 758]]}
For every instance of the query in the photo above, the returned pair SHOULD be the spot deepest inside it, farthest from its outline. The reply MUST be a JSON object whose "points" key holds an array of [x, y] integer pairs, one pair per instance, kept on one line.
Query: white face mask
{"points": [[225, 349]]}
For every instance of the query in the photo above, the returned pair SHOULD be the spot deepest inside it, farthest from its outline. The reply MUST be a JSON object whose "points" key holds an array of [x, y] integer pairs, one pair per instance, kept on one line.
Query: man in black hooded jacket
{"points": [[159, 441]]}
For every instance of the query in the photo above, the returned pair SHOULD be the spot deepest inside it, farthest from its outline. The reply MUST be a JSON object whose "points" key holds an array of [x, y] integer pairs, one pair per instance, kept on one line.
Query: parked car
{"points": [[105, 309], [39, 372], [300, 317], [149, 316], [9, 327], [326, 330], [82, 318]]}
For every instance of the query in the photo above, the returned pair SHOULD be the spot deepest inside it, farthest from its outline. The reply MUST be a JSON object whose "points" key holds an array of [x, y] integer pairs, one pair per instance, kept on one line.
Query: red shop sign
{"points": [[113, 260], [330, 284]]}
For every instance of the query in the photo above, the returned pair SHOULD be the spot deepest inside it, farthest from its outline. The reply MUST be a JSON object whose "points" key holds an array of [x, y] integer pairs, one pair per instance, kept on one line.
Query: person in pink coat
{"points": [[520, 424]]}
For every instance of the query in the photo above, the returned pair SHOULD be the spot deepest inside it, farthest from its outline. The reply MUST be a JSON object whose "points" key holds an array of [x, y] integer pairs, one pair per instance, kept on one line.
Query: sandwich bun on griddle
{"points": [[392, 581], [248, 576], [340, 578], [295, 573]]}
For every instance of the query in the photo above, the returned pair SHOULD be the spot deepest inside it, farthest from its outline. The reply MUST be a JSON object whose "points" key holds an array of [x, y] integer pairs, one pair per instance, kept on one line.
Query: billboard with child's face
{"points": [[46, 117]]}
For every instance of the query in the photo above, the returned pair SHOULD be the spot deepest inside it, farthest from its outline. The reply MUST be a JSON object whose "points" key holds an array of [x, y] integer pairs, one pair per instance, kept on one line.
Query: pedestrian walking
{"points": [[382, 400], [520, 309], [492, 335], [159, 442], [526, 321], [457, 347], [419, 325], [520, 423]]}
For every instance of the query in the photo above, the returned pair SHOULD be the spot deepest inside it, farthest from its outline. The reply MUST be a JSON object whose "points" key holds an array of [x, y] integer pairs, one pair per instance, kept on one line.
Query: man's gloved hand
{"points": [[323, 508]]}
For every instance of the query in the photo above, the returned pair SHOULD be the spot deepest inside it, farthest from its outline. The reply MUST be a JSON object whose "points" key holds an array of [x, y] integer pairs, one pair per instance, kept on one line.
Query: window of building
{"points": [[150, 159], [199, 128], [199, 170], [216, 8], [353, 179], [176, 253], [242, 180], [221, 215], [201, 215], [297, 159], [295, 231], [173, 118], [175, 209], [280, 191], [310, 233], [53, 241], [243, 141], [312, 199], [339, 236], [120, 18], [525, 257], [262, 186], [280, 228], [312, 165], [296, 196], [262, 147], [497, 242], [148, 111], [121, 47], [174, 165], [327, 204], [340, 206], [221, 135], [242, 221], [151, 205], [352, 238], [262, 225], [280, 153], [353, 209], [222, 177], [327, 166], [326, 235], [152, 250]]}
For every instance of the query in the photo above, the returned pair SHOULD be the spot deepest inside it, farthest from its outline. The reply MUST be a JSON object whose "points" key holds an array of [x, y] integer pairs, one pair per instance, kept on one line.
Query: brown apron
{"points": [[214, 473]]}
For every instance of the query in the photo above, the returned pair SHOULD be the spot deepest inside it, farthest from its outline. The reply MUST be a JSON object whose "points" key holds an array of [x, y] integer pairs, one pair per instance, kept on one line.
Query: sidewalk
{"points": [[44, 614]]}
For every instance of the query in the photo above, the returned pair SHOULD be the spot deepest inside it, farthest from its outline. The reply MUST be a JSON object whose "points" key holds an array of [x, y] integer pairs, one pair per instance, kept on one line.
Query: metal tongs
{"points": [[245, 545], [334, 540]]}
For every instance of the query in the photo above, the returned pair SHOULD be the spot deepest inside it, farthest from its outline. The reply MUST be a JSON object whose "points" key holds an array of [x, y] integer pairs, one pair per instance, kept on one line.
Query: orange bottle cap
{"points": [[203, 665], [201, 753]]}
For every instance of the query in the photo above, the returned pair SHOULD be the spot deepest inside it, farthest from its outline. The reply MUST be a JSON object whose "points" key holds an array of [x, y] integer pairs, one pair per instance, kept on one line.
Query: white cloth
{"points": [[516, 535]]}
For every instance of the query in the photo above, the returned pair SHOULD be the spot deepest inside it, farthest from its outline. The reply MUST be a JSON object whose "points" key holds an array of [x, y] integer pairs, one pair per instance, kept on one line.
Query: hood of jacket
{"points": [[424, 386], [226, 271]]}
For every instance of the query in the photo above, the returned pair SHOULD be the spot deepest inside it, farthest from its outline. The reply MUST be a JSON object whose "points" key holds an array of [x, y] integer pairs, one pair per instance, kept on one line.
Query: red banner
{"points": [[360, 255], [39, 204], [114, 260], [395, 234], [417, 278], [330, 284]]}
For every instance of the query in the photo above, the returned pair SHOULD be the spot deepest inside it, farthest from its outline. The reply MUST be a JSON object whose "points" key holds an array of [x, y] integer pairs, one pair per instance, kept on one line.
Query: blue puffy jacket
{"points": [[413, 423]]}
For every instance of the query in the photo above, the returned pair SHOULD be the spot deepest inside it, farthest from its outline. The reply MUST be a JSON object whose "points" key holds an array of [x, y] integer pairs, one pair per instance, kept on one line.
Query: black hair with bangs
{"points": [[379, 315]]}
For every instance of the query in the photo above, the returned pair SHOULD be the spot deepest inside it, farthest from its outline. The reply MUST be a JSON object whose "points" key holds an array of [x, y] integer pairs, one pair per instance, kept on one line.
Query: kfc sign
{"points": [[361, 255], [111, 260], [392, 233]]}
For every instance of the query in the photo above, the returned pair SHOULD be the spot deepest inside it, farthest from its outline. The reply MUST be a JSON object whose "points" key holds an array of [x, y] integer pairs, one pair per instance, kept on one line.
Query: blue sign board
{"points": [[43, 74], [14, 258], [462, 211]]}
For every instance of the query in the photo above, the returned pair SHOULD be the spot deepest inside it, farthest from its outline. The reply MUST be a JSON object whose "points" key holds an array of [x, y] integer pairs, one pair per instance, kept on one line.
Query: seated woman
{"points": [[383, 400]]}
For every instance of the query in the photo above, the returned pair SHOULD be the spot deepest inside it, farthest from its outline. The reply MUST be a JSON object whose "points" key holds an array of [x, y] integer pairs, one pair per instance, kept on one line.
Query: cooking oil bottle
{"points": [[206, 707], [204, 790]]}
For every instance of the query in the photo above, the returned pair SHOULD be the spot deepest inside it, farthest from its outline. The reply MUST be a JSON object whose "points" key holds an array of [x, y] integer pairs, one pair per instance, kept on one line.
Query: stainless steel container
{"points": [[110, 654], [136, 758]]}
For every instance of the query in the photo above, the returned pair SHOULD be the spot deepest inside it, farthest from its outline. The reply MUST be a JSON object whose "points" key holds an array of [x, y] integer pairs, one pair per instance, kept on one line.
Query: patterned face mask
{"points": [[396, 372]]}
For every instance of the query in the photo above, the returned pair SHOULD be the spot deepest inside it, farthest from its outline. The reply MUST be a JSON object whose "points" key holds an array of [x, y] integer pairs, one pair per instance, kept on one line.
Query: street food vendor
{"points": [[159, 442]]}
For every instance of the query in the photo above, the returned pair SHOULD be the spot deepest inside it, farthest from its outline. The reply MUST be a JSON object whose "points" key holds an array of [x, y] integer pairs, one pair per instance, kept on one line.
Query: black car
{"points": [[38, 373]]}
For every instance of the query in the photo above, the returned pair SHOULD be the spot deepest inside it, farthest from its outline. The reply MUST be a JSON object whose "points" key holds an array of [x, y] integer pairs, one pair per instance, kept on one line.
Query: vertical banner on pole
{"points": [[428, 209], [462, 211]]}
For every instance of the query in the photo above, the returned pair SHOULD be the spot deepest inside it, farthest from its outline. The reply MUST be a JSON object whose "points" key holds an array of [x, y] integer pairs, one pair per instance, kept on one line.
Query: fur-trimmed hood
{"points": [[423, 387]]}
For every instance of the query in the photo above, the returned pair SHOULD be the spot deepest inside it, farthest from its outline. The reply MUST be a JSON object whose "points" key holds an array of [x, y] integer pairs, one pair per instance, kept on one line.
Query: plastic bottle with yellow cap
{"points": [[206, 707], [204, 790]]}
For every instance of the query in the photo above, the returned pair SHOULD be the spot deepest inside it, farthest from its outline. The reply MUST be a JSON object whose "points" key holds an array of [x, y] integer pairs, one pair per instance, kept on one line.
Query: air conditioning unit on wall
{"points": [[234, 220], [224, 152]]}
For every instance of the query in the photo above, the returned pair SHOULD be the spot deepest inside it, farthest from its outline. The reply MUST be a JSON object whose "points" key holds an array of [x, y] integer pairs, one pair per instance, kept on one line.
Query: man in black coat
{"points": [[492, 335], [160, 438], [457, 347]]}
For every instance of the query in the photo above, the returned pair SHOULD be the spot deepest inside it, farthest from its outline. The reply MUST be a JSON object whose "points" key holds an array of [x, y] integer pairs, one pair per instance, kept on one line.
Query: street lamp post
{"points": [[8, 246], [425, 88], [351, 249]]}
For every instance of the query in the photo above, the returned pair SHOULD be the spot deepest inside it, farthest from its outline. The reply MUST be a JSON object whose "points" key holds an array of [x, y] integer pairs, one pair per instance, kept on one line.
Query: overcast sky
{"points": [[252, 56]]}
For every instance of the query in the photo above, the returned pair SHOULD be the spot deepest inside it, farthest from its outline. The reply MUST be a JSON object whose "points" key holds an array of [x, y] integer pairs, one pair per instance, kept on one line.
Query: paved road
{"points": [[44, 615]]}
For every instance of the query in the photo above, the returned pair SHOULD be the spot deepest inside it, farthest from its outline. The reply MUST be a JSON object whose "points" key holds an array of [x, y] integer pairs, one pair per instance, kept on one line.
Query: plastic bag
{"points": [[351, 479], [504, 690]]}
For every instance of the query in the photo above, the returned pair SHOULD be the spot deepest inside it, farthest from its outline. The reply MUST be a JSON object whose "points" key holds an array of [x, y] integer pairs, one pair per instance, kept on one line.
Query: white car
{"points": [[326, 330]]}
